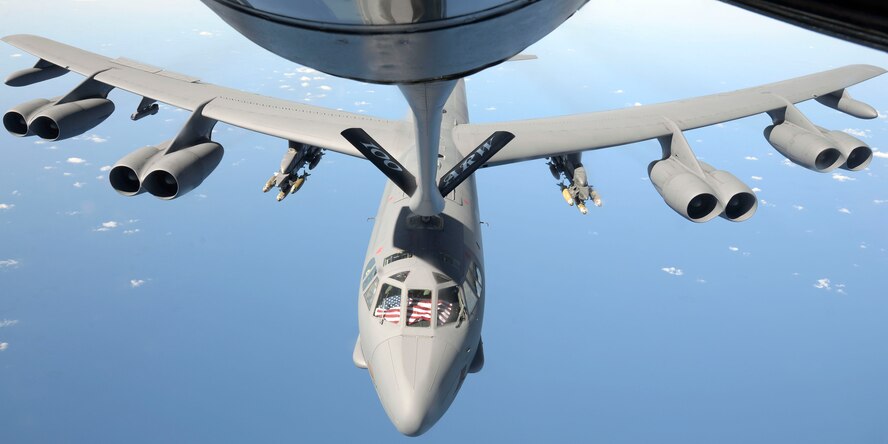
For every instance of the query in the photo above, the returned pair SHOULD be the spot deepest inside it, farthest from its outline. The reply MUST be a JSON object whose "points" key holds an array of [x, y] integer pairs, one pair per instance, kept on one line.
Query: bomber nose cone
{"points": [[414, 381]]}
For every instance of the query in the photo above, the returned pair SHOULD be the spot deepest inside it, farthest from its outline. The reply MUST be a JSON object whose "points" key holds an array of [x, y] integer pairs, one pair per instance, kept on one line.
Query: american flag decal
{"points": [[417, 310]]}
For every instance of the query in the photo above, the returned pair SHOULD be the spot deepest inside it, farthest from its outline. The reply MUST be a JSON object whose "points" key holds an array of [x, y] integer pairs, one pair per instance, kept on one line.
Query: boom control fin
{"points": [[379, 157], [476, 159]]}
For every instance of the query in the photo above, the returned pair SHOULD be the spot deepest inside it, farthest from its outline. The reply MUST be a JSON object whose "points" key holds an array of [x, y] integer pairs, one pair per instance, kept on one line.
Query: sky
{"points": [[224, 316]]}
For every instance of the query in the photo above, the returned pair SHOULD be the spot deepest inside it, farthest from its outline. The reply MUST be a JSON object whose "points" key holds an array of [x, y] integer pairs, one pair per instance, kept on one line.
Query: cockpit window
{"points": [[448, 305], [472, 288], [419, 308], [388, 306], [396, 257], [370, 291], [400, 277], [440, 278], [369, 273]]}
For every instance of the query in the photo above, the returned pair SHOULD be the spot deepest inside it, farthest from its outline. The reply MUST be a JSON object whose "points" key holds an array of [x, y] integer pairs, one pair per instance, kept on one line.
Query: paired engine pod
{"points": [[16, 120], [858, 155], [684, 192], [181, 171], [736, 198], [812, 151], [70, 119], [125, 174]]}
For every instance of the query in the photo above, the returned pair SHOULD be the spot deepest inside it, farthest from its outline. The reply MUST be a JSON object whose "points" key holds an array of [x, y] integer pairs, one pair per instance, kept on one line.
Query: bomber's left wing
{"points": [[692, 188]]}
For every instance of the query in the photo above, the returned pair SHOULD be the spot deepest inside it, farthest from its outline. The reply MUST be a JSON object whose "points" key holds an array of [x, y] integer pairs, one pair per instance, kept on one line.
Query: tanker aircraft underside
{"points": [[421, 294]]}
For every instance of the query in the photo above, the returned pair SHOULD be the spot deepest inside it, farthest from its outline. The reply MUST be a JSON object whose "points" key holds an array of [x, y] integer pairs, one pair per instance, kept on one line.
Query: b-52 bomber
{"points": [[421, 294]]}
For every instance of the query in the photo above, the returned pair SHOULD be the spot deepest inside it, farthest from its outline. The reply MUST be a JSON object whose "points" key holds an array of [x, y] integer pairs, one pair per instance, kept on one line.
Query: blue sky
{"points": [[226, 316]]}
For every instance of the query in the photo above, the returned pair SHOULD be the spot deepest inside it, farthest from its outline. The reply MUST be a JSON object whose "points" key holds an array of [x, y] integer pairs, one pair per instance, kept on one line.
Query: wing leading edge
{"points": [[547, 137]]}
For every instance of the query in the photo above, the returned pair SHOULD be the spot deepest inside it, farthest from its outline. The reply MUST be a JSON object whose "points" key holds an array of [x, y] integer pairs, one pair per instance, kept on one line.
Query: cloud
{"points": [[882, 154], [636, 104], [76, 160], [798, 207], [618, 91], [136, 283], [107, 226], [751, 158], [673, 271], [880, 201], [733, 248], [3, 346], [325, 88], [8, 322], [844, 210], [15, 55], [9, 263], [133, 231], [823, 284], [857, 132], [756, 177], [4, 206], [95, 138], [756, 190], [205, 34], [490, 108], [841, 177], [79, 184]]}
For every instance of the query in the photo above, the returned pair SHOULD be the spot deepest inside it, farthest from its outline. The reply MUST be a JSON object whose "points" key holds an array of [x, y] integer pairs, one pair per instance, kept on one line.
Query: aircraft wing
{"points": [[546, 137], [296, 122]]}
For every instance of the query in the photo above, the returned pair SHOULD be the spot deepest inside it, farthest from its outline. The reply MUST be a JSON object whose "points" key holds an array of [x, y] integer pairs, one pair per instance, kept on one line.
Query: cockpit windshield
{"points": [[388, 306], [421, 306]]}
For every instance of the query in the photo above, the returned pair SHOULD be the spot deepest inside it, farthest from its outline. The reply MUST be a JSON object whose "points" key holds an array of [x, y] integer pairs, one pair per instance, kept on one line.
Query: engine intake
{"points": [[181, 171], [812, 151], [125, 174], [737, 199], [857, 154], [684, 192], [16, 120], [70, 119]]}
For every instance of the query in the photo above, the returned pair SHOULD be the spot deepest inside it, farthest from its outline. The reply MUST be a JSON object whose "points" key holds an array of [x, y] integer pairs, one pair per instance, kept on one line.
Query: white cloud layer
{"points": [[136, 283], [841, 177], [8, 322], [3, 346], [823, 284], [673, 271], [844, 210], [4, 206], [882, 154], [76, 160], [857, 132], [9, 263]]}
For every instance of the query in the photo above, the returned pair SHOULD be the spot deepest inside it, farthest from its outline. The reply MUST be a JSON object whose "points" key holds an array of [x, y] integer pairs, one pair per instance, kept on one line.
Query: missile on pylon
{"points": [[567, 197], [270, 184], [582, 207], [297, 184]]}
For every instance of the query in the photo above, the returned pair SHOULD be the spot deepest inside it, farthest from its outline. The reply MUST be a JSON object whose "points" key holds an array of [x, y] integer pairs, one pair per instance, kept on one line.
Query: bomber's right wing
{"points": [[298, 122]]}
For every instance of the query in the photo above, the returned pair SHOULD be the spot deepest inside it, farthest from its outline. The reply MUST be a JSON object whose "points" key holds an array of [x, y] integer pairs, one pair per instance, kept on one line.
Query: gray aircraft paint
{"points": [[417, 371]]}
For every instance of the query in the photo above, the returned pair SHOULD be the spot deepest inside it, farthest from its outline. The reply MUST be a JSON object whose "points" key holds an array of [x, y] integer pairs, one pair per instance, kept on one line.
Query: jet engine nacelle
{"points": [[812, 151], [125, 174], [684, 192], [70, 119], [735, 197], [857, 154], [16, 120], [183, 170]]}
